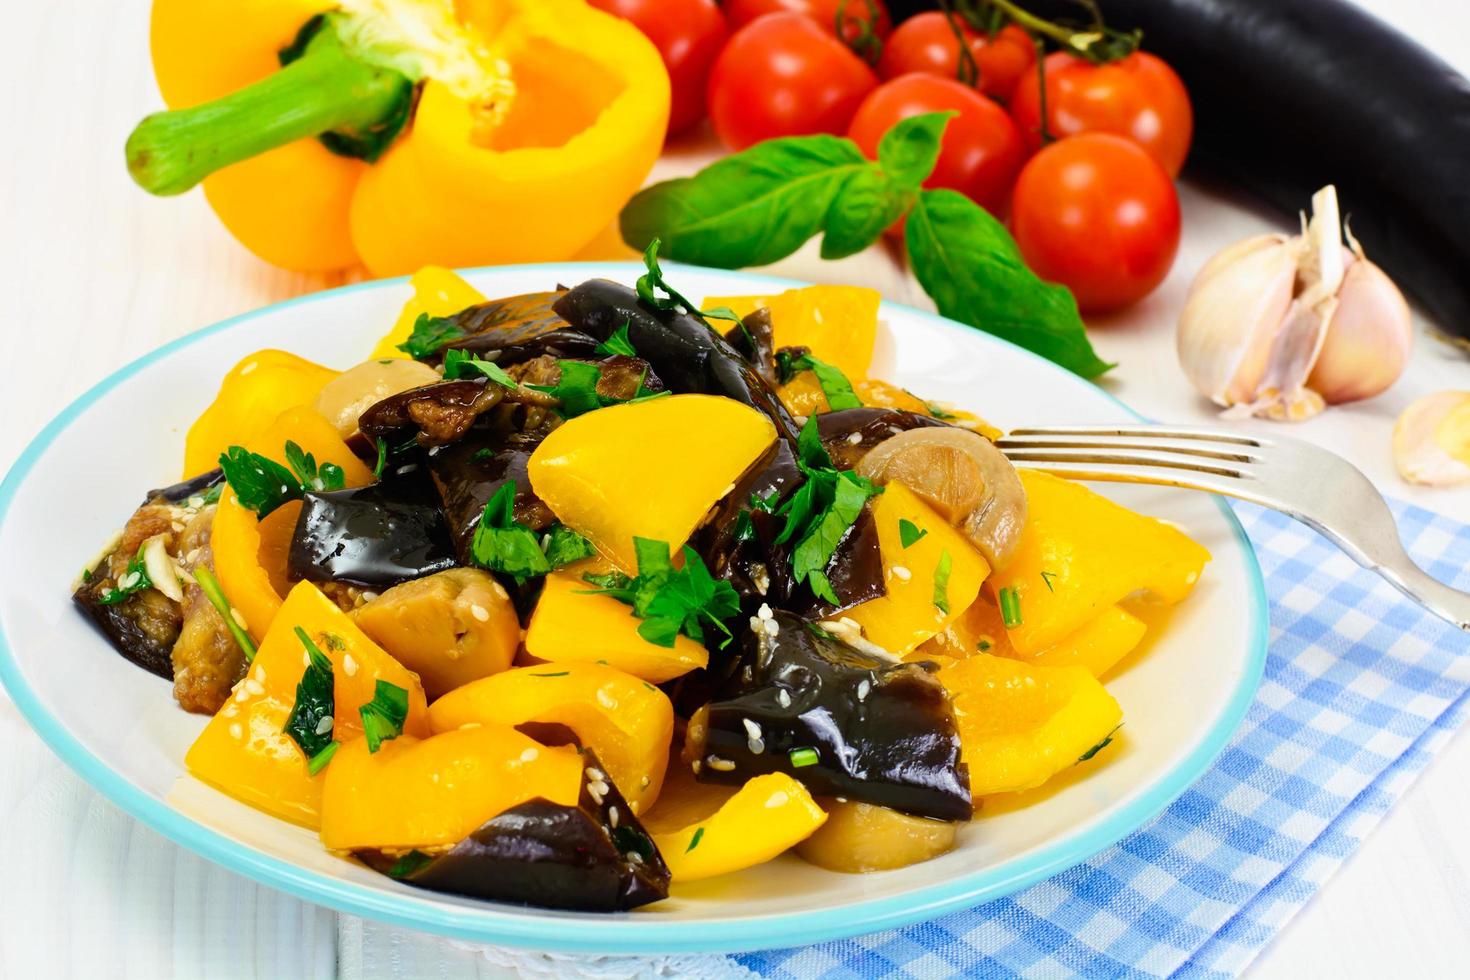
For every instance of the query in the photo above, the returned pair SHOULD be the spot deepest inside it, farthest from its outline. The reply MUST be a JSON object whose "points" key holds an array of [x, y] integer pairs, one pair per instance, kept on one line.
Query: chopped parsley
{"points": [[744, 527], [1099, 746], [820, 512], [909, 533], [671, 601], [1047, 577], [558, 673], [630, 840], [564, 546], [460, 364], [132, 581], [802, 757], [211, 496], [503, 544], [617, 344], [654, 280], [319, 761], [310, 722], [209, 585], [262, 485], [384, 715], [429, 334], [941, 582], [694, 841], [984, 644], [382, 458], [409, 863], [576, 388], [937, 412], [1010, 607], [834, 384]]}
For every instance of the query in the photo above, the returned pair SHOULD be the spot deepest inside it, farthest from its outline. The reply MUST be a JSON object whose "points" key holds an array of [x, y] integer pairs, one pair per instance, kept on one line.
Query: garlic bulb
{"points": [[1431, 440], [1281, 326]]}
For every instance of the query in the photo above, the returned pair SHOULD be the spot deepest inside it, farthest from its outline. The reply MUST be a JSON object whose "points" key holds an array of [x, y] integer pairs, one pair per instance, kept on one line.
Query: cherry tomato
{"points": [[1138, 97], [859, 17], [925, 43], [782, 75], [1002, 60], [981, 152], [1097, 214], [689, 35]]}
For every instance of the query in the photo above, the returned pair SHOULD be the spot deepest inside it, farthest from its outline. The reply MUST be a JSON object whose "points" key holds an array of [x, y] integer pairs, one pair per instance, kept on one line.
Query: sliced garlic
{"points": [[160, 568], [1431, 440], [1281, 326]]}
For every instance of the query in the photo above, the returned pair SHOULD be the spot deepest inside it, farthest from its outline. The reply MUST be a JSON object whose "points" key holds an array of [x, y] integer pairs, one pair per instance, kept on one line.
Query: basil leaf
{"points": [[907, 152], [969, 264], [868, 204]]}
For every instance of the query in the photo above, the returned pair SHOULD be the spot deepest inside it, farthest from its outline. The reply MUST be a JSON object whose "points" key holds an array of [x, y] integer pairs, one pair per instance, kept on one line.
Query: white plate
{"points": [[1182, 696]]}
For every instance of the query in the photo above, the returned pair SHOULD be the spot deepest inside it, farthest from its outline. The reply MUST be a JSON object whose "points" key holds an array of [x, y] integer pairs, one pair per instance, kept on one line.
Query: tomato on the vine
{"points": [[860, 18], [782, 75], [1097, 214], [1002, 59], [689, 35], [1138, 97], [981, 151], [929, 43]]}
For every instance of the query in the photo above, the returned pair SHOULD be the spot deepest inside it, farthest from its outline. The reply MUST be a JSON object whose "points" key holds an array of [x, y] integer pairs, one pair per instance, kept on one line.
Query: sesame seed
{"points": [[480, 613], [325, 725], [718, 764], [259, 672], [783, 698], [612, 817], [756, 624], [369, 596], [778, 798], [901, 573], [231, 710], [760, 577], [600, 788], [178, 526], [864, 686], [242, 695], [254, 687], [192, 556], [595, 775], [755, 745], [752, 729], [128, 580], [499, 590], [855, 439], [239, 619], [643, 783], [236, 731], [529, 755], [195, 502], [634, 857], [764, 612], [606, 700], [349, 665], [696, 766], [772, 627]]}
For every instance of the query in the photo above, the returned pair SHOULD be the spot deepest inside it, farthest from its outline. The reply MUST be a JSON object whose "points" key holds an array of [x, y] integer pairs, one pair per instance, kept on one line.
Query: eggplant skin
{"points": [[468, 473], [545, 854], [1291, 95], [871, 425], [883, 732]]}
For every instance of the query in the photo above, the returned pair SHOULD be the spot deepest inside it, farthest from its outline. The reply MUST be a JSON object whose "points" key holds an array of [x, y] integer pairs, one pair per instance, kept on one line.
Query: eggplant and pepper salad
{"points": [[563, 597]]}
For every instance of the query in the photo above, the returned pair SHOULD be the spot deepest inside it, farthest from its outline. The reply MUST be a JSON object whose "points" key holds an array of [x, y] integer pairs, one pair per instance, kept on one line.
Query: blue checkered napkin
{"points": [[1361, 688]]}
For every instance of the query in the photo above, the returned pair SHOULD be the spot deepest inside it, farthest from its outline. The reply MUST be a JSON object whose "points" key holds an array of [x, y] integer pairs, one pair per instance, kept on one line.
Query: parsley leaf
{"points": [[429, 334], [503, 544], [694, 841], [261, 484], [409, 863], [462, 364], [564, 546], [576, 388], [941, 582], [654, 280], [671, 601], [618, 343], [1108, 740], [310, 722], [1048, 578], [132, 581], [909, 533], [328, 476], [382, 445], [833, 382], [384, 715]]}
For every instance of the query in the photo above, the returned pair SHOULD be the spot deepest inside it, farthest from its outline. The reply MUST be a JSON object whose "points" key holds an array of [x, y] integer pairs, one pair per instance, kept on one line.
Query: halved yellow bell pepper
{"points": [[437, 292], [649, 469], [572, 624], [626, 721], [1021, 724], [244, 749], [1081, 553], [915, 577], [251, 396], [434, 792], [706, 830], [464, 132], [249, 553]]}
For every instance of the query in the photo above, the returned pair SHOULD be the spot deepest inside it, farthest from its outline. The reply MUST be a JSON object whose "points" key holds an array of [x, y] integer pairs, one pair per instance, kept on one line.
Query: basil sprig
{"points": [[762, 204]]}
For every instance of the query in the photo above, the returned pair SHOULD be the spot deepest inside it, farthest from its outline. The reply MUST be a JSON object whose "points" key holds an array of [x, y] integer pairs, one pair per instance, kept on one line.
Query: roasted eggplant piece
{"points": [[469, 472], [441, 413], [847, 435], [755, 340], [844, 722], [594, 857], [180, 493], [498, 324], [374, 536]]}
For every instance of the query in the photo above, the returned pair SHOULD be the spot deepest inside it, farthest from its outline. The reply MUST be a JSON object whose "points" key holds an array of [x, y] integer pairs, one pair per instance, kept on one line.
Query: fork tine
{"points": [[1194, 433], [1185, 478], [1129, 456], [1193, 449]]}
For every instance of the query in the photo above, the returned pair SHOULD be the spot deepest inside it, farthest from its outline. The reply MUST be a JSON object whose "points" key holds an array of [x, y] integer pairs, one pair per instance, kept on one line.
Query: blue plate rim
{"points": [[627, 933]]}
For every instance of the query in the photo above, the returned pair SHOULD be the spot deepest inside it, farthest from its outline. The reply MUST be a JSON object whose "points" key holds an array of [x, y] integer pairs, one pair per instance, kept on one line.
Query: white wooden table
{"points": [[93, 272]]}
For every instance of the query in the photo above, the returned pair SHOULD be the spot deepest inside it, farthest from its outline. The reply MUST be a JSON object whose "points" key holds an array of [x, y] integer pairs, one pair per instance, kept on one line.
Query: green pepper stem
{"points": [[325, 90]]}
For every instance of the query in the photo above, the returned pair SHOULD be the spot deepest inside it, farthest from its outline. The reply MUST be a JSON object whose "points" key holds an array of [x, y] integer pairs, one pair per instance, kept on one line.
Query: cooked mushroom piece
{"points": [[963, 477]]}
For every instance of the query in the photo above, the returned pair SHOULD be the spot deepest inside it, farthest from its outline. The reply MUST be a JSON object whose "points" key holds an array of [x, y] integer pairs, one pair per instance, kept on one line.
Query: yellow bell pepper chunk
{"points": [[571, 625], [708, 830], [1096, 645], [437, 292], [626, 721], [250, 554], [244, 750], [649, 469], [252, 395], [839, 324], [909, 614], [1021, 724], [1093, 553], [435, 792]]}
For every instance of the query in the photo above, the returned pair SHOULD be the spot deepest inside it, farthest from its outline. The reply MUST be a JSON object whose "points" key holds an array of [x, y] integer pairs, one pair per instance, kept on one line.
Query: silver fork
{"points": [[1317, 487]]}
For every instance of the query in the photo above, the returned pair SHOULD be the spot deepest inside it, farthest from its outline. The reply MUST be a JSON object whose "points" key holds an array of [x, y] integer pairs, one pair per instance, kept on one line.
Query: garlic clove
{"points": [[160, 568], [1231, 317], [1431, 440], [1368, 339]]}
